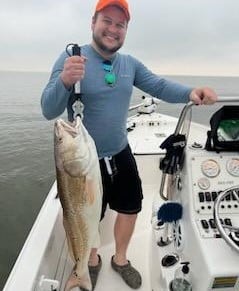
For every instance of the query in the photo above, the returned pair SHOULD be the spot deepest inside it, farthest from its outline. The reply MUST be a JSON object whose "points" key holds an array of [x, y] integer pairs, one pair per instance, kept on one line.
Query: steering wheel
{"points": [[228, 232]]}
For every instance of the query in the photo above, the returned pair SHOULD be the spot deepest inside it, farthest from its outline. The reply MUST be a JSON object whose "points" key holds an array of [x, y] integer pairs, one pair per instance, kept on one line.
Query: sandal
{"points": [[128, 273]]}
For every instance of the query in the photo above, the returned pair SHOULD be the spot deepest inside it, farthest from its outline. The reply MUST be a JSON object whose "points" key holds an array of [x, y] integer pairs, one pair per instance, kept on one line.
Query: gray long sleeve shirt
{"points": [[106, 107]]}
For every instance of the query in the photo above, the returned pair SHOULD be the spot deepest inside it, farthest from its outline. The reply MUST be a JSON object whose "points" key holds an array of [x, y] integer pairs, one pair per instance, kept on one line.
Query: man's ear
{"points": [[93, 21]]}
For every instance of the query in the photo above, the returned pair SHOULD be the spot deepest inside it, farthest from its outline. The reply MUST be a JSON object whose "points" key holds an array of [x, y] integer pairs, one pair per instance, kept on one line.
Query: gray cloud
{"points": [[182, 37]]}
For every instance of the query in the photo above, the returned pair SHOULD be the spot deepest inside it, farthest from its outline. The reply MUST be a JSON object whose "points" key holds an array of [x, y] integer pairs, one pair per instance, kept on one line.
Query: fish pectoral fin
{"points": [[90, 191], [73, 281], [72, 168]]}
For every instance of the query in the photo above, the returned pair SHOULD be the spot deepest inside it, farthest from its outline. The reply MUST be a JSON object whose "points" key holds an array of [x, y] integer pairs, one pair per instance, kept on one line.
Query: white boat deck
{"points": [[149, 131]]}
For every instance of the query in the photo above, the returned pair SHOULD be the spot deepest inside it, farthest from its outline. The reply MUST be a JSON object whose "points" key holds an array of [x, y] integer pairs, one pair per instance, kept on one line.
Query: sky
{"points": [[182, 37]]}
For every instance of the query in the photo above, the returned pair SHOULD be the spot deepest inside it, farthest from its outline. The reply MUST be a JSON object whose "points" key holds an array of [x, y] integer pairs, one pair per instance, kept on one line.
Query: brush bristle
{"points": [[170, 211]]}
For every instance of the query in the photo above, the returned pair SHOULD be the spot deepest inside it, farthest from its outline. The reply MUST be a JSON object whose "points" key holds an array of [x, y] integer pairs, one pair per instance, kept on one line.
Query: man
{"points": [[107, 80]]}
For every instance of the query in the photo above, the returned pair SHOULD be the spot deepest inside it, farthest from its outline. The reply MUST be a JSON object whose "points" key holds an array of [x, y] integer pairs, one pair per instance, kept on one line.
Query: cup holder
{"points": [[170, 260]]}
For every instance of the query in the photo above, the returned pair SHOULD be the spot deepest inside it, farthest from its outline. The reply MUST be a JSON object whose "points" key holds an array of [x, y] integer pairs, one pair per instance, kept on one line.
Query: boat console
{"points": [[199, 250]]}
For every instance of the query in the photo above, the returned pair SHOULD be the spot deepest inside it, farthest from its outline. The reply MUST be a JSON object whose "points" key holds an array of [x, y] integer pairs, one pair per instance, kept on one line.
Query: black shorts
{"points": [[122, 189]]}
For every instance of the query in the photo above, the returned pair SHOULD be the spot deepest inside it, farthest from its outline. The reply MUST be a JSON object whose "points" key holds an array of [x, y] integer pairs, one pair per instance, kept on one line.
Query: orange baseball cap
{"points": [[121, 3]]}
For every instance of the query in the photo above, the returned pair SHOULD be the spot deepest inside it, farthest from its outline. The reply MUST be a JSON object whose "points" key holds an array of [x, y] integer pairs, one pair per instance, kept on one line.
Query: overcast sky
{"points": [[169, 36]]}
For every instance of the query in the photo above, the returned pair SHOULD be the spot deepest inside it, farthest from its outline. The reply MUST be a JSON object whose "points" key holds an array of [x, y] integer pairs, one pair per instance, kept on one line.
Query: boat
{"points": [[202, 237]]}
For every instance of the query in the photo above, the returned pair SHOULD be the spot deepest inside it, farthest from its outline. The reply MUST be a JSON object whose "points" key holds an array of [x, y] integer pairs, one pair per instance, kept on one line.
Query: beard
{"points": [[103, 47]]}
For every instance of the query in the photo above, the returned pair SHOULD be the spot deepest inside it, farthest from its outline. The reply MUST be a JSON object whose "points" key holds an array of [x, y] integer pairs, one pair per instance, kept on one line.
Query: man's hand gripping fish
{"points": [[80, 191]]}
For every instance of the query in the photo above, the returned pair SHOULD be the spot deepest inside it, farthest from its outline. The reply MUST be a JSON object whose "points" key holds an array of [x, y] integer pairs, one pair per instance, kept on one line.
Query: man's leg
{"points": [[94, 258], [123, 230]]}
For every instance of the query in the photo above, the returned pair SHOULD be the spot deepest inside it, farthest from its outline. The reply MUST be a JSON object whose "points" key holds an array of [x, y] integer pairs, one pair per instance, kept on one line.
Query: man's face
{"points": [[109, 29]]}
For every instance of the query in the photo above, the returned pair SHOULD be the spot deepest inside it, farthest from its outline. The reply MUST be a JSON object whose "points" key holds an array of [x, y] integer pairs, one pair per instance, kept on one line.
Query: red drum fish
{"points": [[79, 188]]}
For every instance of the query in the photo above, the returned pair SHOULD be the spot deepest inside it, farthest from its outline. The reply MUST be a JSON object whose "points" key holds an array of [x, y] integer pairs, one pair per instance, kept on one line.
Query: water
{"points": [[26, 163], [26, 152]]}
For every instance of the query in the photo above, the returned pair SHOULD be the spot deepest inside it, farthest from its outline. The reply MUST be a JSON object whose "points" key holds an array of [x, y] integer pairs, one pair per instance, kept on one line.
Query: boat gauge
{"points": [[203, 183], [210, 168], [233, 167]]}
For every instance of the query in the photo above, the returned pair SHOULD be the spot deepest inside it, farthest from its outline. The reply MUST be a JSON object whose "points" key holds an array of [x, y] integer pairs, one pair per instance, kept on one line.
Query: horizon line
{"points": [[161, 74]]}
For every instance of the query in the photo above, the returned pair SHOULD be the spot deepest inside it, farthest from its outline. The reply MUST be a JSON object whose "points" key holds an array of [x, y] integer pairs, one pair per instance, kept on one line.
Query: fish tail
{"points": [[82, 282]]}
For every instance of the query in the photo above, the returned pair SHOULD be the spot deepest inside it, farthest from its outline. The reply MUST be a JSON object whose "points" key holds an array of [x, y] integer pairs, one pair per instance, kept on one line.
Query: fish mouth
{"points": [[71, 128], [71, 147]]}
